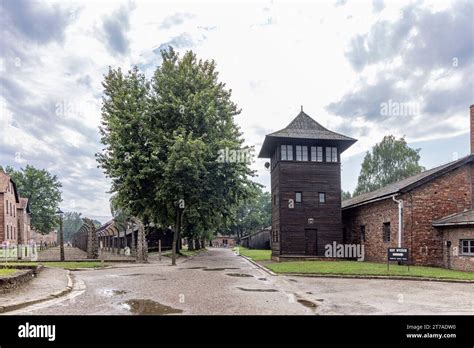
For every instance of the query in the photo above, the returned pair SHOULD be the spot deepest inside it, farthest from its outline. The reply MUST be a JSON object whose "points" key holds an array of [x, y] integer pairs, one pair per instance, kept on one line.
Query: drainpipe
{"points": [[400, 219]]}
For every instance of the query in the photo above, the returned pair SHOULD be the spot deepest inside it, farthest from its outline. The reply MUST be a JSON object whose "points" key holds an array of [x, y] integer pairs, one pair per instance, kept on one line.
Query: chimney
{"points": [[472, 128]]}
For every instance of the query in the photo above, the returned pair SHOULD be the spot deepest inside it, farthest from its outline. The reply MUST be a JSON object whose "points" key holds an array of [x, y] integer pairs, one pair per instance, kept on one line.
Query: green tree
{"points": [[391, 160], [251, 214], [345, 195], [72, 222], [162, 141], [43, 192]]}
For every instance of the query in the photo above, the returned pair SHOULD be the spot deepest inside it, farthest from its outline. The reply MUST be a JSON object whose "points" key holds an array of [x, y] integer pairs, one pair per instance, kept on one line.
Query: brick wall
{"points": [[453, 257], [373, 216], [9, 219], [448, 194]]}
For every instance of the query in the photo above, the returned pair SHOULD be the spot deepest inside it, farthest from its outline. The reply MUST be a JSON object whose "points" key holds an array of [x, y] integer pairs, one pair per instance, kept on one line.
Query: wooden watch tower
{"points": [[306, 187]]}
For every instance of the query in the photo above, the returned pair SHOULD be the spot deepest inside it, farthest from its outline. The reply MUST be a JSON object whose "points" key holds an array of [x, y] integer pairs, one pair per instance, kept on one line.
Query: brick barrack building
{"points": [[435, 206], [14, 213], [437, 213]]}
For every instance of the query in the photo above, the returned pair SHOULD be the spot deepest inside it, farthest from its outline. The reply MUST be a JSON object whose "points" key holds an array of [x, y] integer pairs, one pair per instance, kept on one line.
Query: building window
{"points": [[331, 154], [287, 152], [11, 210], [316, 153], [8, 232], [298, 197], [322, 197], [386, 231], [7, 206], [301, 153], [362, 233], [467, 247]]}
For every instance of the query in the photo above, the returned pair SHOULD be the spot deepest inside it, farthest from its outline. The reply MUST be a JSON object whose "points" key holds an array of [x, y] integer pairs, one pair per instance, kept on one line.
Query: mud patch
{"points": [[307, 303], [258, 290], [148, 307], [239, 275]]}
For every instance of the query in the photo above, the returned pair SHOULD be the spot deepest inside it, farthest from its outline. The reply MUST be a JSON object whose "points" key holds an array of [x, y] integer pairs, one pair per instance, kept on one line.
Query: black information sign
{"points": [[397, 254]]}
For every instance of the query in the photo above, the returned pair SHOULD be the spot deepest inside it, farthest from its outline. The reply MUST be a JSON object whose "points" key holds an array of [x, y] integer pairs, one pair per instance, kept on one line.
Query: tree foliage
{"points": [[162, 139], [43, 192], [251, 214], [391, 160], [345, 195], [72, 222]]}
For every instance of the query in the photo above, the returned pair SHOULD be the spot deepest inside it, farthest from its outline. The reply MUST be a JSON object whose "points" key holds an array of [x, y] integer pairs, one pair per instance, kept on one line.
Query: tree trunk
{"points": [[175, 236], [190, 244], [196, 244]]}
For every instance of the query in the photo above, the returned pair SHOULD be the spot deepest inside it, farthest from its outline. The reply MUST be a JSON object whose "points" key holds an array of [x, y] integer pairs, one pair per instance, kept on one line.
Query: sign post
{"points": [[397, 254]]}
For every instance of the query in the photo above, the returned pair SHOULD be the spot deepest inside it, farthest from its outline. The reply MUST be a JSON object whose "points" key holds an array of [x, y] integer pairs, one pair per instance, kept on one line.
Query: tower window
{"points": [[322, 197], [301, 153], [287, 152], [331, 154], [298, 197], [316, 153]]}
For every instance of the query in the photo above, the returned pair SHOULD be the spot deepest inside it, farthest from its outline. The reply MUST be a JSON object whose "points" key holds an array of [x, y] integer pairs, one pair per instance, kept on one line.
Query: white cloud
{"points": [[275, 56]]}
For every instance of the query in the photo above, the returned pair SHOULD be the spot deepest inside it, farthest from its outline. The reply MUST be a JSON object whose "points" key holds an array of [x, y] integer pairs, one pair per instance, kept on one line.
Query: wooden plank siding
{"points": [[310, 178]]}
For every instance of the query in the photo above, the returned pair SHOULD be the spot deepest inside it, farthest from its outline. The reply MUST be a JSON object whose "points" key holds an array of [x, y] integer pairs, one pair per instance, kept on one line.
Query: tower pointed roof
{"points": [[303, 127]]}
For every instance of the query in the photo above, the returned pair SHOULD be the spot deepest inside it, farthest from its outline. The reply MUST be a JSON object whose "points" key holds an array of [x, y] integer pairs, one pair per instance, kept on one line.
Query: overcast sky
{"points": [[342, 60]]}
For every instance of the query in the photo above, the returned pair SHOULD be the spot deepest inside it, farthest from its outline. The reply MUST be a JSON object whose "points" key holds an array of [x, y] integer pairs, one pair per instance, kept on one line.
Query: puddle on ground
{"points": [[320, 299], [112, 292], [239, 275], [158, 279], [197, 267], [148, 307], [133, 274], [219, 269], [264, 279], [309, 293], [258, 290], [307, 303], [293, 280]]}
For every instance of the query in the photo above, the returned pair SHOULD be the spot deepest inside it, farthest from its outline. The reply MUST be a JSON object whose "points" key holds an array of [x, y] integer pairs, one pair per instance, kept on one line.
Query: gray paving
{"points": [[219, 282], [47, 282]]}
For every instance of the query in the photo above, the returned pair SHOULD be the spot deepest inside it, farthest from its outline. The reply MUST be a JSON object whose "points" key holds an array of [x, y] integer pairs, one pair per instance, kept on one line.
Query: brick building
{"points": [[435, 208], [9, 202], [15, 215]]}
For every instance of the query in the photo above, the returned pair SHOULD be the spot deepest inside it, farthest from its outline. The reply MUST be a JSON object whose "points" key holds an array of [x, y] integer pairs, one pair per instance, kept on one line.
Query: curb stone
{"points": [[258, 265], [353, 276]]}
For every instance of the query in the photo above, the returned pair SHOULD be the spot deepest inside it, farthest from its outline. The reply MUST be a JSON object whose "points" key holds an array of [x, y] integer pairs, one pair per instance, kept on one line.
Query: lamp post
{"points": [[61, 235]]}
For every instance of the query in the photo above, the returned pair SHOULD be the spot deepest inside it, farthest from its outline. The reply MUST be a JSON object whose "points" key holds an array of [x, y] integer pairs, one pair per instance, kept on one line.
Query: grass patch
{"points": [[255, 254], [58, 264], [73, 264], [5, 272], [366, 268]]}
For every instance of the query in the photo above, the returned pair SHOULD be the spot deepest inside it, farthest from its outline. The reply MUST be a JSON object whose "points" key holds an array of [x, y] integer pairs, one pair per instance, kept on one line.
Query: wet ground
{"points": [[219, 282]]}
